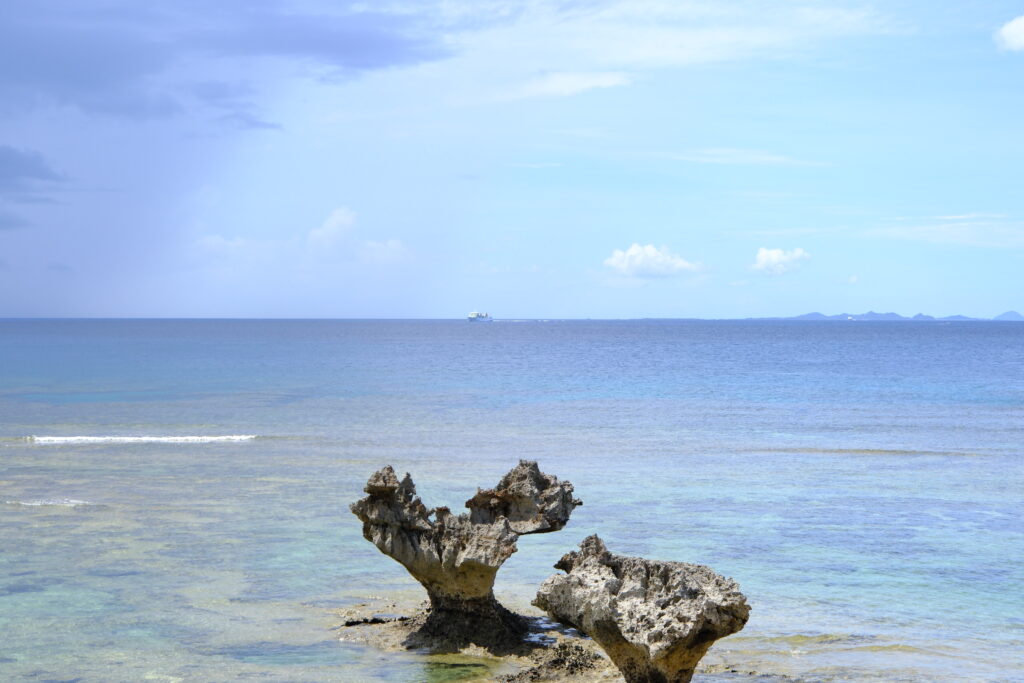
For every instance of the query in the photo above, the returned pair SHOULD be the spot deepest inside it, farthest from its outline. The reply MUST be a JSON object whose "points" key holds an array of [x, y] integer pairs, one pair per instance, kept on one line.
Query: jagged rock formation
{"points": [[655, 620], [531, 501], [456, 557]]}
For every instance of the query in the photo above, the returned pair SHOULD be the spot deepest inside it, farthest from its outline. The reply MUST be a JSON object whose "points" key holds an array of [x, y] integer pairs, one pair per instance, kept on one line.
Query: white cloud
{"points": [[853, 279], [563, 84], [1011, 35], [648, 261], [732, 155], [778, 261], [334, 228]]}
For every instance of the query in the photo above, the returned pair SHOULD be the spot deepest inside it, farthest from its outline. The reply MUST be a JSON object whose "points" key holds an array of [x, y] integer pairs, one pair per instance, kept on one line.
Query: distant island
{"points": [[1009, 316]]}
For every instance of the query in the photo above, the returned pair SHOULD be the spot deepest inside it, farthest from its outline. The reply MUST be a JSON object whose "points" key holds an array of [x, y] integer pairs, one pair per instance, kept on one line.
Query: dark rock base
{"points": [[453, 625]]}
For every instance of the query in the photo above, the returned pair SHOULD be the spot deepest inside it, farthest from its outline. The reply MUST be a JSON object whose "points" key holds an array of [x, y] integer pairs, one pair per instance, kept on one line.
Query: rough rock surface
{"points": [[456, 557], [531, 501], [655, 620]]}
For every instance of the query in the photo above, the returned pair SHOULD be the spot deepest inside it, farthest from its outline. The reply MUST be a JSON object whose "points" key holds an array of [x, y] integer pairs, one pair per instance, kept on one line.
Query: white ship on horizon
{"points": [[477, 317]]}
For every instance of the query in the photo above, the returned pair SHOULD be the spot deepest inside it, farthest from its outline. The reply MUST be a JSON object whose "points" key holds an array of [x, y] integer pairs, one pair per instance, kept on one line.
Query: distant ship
{"points": [[476, 317]]}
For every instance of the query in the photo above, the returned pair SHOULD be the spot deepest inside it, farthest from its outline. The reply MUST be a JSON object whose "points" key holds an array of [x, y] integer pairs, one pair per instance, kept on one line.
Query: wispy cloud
{"points": [[1011, 35], [739, 156], [610, 43], [563, 84], [972, 230], [778, 261], [649, 261], [793, 232], [139, 60], [970, 216], [234, 100], [538, 164]]}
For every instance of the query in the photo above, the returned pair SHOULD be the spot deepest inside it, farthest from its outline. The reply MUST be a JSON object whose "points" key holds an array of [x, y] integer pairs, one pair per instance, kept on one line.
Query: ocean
{"points": [[174, 493]]}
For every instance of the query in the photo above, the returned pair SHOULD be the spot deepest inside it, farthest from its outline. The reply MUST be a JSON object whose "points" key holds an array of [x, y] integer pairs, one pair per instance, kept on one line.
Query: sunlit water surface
{"points": [[861, 481]]}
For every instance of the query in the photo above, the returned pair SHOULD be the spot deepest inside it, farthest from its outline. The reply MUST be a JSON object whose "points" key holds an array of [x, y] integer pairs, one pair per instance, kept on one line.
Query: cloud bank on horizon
{"points": [[416, 159]]}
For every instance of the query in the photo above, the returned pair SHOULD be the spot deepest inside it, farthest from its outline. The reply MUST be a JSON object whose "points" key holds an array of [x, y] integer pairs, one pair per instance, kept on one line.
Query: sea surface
{"points": [[174, 494]]}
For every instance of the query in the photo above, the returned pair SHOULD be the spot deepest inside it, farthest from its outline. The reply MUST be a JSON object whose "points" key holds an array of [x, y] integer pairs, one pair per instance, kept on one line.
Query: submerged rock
{"points": [[563, 661], [655, 620], [456, 557]]}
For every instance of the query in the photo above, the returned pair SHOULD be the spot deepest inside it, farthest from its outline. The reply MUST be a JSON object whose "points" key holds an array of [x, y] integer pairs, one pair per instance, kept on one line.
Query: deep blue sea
{"points": [[863, 482]]}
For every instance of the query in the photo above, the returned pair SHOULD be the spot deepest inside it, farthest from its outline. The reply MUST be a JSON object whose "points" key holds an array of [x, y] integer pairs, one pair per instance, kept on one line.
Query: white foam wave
{"points": [[140, 439], [60, 502]]}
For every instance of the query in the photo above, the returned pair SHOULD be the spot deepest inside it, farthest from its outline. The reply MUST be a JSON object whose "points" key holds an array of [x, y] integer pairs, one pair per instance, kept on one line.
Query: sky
{"points": [[601, 159]]}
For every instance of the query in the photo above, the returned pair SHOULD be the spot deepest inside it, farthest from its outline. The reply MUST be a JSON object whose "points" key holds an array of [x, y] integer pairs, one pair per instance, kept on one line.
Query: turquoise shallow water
{"points": [[863, 482]]}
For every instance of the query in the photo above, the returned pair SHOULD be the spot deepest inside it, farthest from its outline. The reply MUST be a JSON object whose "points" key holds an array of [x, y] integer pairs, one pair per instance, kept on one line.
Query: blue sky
{"points": [[531, 159]]}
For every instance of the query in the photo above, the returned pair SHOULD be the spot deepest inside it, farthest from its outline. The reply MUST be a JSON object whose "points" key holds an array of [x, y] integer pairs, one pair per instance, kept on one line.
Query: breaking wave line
{"points": [[59, 502], [140, 439]]}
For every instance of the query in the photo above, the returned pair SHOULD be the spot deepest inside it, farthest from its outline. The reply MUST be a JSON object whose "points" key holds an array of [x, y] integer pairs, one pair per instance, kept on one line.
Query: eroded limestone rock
{"points": [[456, 557], [655, 620], [531, 501]]}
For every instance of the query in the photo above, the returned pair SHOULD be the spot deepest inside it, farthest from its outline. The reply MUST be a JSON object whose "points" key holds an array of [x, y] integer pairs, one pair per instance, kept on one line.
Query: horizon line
{"points": [[798, 318]]}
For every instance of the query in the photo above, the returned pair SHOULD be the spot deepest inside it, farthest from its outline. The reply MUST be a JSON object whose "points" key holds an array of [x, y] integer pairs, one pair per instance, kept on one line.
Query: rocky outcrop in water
{"points": [[655, 620], [456, 557]]}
